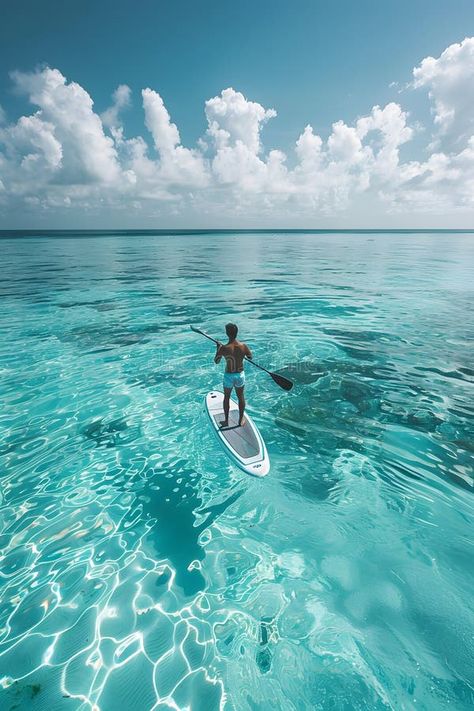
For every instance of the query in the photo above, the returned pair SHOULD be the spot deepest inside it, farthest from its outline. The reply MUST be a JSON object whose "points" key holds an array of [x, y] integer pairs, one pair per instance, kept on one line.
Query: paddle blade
{"points": [[281, 381]]}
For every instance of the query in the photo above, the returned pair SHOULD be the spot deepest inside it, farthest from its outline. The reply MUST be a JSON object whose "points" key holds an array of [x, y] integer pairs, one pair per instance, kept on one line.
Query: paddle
{"points": [[278, 379]]}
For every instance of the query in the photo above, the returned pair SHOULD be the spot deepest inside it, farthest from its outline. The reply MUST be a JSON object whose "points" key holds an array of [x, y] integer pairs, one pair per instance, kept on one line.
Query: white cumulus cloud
{"points": [[179, 165], [233, 119], [89, 155], [449, 79], [120, 100], [64, 155]]}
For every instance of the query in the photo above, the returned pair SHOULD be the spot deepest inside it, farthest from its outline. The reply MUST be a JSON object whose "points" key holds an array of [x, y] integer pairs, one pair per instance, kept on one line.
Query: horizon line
{"points": [[200, 231]]}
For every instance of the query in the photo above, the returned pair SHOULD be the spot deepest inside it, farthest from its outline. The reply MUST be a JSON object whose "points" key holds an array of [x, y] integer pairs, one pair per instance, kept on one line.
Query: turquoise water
{"points": [[141, 570]]}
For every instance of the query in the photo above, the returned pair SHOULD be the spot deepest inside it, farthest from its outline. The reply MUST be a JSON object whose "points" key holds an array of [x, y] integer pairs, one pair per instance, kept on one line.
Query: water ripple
{"points": [[140, 570]]}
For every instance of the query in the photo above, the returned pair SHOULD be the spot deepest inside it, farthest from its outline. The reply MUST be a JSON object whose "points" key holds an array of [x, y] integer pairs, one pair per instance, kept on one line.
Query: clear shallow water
{"points": [[140, 570]]}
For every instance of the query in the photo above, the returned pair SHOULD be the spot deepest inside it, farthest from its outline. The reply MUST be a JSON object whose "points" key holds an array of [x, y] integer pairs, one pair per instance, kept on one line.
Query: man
{"points": [[234, 353]]}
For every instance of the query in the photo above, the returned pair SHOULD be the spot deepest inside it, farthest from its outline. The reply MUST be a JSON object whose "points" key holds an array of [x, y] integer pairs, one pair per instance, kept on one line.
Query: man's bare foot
{"points": [[224, 423], [242, 422]]}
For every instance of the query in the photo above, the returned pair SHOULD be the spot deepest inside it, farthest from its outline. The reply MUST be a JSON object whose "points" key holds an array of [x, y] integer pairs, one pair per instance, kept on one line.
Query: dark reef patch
{"points": [[111, 434]]}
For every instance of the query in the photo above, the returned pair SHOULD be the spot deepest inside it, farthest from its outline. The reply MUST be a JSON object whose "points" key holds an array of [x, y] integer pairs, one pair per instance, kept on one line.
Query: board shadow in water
{"points": [[172, 498]]}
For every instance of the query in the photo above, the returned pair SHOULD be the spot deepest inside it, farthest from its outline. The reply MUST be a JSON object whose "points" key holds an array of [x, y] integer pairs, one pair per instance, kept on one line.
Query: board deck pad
{"points": [[243, 444], [242, 439]]}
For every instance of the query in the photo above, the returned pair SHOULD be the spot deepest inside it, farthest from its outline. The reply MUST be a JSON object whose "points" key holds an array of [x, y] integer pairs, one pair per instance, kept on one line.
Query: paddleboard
{"points": [[243, 444]]}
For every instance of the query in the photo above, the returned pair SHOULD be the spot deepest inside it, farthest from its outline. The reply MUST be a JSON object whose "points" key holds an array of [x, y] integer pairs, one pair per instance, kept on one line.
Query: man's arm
{"points": [[248, 352], [219, 354]]}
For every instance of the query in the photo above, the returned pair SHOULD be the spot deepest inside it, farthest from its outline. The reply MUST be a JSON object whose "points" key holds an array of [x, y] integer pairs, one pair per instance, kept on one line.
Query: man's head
{"points": [[231, 330]]}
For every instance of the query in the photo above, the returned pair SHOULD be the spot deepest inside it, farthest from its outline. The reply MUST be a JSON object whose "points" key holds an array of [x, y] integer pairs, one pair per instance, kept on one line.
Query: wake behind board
{"points": [[243, 444]]}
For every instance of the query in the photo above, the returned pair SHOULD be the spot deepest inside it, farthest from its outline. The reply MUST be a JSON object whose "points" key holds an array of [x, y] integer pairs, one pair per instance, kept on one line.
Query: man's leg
{"points": [[225, 421], [241, 398]]}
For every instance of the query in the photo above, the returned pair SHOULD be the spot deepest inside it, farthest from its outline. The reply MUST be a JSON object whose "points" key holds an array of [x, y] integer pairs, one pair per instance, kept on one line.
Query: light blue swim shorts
{"points": [[234, 380]]}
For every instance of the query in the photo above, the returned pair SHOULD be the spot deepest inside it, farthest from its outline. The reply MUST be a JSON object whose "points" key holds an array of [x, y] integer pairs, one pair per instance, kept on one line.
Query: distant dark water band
{"points": [[8, 234]]}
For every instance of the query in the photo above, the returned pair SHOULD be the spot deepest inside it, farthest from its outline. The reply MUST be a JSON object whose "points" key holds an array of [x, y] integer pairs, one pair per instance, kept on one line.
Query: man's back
{"points": [[234, 354]]}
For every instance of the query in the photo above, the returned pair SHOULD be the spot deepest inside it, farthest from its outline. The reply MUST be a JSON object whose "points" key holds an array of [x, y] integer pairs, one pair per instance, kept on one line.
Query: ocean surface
{"points": [[140, 570]]}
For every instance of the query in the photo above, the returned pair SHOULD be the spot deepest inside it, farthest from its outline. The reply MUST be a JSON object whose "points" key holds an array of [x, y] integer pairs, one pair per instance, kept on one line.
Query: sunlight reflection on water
{"points": [[140, 570]]}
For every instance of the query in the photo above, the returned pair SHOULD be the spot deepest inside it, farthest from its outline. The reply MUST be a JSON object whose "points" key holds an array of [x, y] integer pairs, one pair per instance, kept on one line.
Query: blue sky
{"points": [[313, 63]]}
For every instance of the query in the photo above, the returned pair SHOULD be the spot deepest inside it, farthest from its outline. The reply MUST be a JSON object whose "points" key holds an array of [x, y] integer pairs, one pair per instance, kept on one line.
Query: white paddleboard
{"points": [[244, 444]]}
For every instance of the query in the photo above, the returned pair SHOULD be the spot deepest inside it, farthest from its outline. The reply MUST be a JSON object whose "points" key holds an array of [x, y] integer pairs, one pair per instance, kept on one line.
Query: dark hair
{"points": [[231, 330]]}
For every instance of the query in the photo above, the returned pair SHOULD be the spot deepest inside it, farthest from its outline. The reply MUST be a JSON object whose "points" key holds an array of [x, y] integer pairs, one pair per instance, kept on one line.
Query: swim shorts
{"points": [[234, 380]]}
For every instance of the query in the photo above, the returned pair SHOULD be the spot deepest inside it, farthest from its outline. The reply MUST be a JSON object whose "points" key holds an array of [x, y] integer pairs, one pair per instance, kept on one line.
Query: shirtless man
{"points": [[234, 353]]}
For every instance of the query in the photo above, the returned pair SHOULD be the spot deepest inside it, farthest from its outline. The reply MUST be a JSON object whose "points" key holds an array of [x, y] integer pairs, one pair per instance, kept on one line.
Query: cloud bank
{"points": [[65, 158]]}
